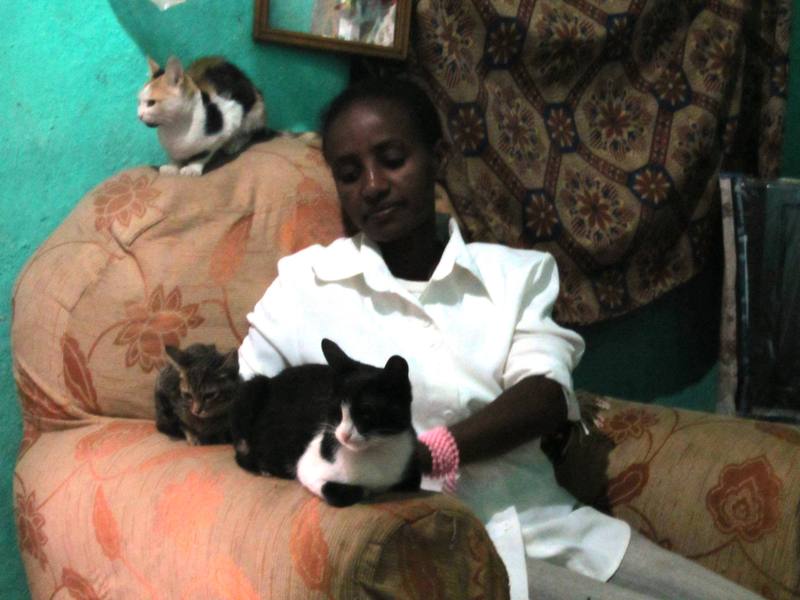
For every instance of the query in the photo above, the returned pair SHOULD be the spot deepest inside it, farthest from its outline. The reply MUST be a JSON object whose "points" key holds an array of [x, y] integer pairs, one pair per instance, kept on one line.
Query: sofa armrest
{"points": [[721, 490], [117, 508]]}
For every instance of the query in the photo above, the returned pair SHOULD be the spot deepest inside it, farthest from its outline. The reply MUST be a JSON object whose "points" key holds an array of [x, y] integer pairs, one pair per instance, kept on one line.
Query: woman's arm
{"points": [[532, 407]]}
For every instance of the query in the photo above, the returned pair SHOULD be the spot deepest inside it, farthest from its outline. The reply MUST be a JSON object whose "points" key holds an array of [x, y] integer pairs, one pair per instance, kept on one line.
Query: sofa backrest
{"points": [[146, 260]]}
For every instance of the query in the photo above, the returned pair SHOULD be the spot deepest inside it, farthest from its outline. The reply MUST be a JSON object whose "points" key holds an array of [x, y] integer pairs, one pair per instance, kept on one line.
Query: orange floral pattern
{"points": [[105, 527], [77, 586], [630, 423], [77, 375], [122, 199], [30, 527], [188, 506], [308, 547], [628, 484], [163, 321], [745, 501], [96, 487], [112, 438], [35, 402]]}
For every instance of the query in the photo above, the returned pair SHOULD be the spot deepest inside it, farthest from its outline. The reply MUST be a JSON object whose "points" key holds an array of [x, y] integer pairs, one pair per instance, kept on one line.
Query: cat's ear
{"points": [[153, 66], [174, 71], [231, 360], [176, 357], [336, 357], [396, 368]]}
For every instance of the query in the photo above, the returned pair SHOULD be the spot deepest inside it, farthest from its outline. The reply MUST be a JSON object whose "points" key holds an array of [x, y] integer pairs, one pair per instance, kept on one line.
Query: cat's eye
{"points": [[151, 103]]}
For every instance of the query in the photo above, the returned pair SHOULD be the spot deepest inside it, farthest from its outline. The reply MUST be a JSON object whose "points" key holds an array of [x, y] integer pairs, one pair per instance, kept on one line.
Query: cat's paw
{"points": [[342, 494], [168, 169], [192, 170]]}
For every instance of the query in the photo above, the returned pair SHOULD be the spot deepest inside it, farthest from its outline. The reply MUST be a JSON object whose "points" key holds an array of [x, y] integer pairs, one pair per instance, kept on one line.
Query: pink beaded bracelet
{"points": [[444, 455]]}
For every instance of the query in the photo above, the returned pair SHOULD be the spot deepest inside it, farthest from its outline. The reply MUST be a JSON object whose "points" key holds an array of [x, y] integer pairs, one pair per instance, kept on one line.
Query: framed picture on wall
{"points": [[367, 27]]}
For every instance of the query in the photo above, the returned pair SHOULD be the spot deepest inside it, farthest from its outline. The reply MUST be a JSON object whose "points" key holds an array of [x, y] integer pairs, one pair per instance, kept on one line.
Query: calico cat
{"points": [[209, 106], [195, 392], [342, 429]]}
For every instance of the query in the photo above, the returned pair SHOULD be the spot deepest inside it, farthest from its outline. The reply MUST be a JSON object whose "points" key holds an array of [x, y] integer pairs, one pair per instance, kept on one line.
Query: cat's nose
{"points": [[344, 436]]}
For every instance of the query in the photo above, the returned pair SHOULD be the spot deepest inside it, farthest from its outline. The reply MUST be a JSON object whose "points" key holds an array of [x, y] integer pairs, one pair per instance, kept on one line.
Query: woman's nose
{"points": [[375, 183]]}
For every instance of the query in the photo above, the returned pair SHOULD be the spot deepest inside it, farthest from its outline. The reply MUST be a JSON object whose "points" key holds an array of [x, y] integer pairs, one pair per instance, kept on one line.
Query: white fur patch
{"points": [[376, 466]]}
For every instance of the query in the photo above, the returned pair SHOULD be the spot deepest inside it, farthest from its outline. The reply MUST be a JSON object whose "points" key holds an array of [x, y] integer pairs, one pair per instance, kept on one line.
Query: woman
{"points": [[490, 369]]}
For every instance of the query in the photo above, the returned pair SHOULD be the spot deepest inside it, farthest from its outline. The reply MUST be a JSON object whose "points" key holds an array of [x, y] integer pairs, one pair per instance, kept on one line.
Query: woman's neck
{"points": [[414, 258]]}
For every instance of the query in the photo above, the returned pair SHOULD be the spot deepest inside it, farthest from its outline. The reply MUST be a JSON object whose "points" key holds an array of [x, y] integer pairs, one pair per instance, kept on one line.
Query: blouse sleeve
{"points": [[270, 344], [539, 346]]}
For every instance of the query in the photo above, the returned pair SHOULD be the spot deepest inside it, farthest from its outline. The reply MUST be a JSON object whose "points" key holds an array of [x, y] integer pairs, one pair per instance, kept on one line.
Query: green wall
{"points": [[71, 72]]}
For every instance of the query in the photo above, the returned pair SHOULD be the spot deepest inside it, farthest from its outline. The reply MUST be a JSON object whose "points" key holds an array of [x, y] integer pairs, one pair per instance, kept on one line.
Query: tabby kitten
{"points": [[195, 392], [342, 429], [209, 106]]}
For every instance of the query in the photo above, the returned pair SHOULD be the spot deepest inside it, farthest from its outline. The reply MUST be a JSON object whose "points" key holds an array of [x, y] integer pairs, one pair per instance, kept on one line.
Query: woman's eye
{"points": [[347, 176], [394, 161]]}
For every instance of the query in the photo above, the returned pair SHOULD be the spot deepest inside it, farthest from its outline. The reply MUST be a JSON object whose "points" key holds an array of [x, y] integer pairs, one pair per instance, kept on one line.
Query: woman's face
{"points": [[384, 173]]}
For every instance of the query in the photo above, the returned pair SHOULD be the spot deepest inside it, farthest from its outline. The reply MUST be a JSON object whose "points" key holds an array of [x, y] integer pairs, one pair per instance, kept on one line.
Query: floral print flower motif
{"points": [[563, 44], [30, 527], [468, 128], [651, 185], [745, 500], [629, 423], [672, 89], [785, 433], [164, 320], [541, 217], [694, 141], [112, 438], [610, 290], [504, 42], [78, 586], [628, 484], [618, 119], [517, 130], [123, 198], [571, 305], [447, 40], [596, 213], [658, 269], [561, 128], [713, 54]]}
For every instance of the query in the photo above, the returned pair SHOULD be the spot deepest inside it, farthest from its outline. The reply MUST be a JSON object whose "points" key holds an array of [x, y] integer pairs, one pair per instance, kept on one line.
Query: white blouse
{"points": [[481, 324]]}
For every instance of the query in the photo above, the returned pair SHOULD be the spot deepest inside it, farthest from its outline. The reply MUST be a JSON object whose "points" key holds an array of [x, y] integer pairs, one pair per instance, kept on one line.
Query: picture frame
{"points": [[378, 28]]}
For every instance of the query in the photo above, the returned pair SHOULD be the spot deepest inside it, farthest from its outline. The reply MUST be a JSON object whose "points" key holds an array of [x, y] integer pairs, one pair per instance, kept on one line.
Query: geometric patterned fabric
{"points": [[596, 130]]}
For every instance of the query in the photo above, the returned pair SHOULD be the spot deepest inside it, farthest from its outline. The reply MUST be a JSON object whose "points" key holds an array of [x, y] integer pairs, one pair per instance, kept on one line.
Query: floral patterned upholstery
{"points": [[718, 489], [106, 506]]}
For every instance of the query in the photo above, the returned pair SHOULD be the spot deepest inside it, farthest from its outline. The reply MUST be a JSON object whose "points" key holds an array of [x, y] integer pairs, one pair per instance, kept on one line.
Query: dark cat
{"points": [[342, 429], [195, 392]]}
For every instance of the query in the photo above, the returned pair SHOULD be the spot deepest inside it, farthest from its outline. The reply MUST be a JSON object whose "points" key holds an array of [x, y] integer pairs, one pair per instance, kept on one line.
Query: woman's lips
{"points": [[383, 211]]}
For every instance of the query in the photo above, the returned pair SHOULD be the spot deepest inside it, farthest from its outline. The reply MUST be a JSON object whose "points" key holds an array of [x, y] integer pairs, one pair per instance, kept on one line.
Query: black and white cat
{"points": [[210, 106], [194, 394], [343, 429]]}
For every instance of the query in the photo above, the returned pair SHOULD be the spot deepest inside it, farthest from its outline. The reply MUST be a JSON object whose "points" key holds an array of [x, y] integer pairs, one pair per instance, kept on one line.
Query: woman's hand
{"points": [[533, 407]]}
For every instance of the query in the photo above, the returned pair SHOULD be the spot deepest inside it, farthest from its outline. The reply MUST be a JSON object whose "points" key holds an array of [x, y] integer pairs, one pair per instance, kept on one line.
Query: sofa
{"points": [[106, 506]]}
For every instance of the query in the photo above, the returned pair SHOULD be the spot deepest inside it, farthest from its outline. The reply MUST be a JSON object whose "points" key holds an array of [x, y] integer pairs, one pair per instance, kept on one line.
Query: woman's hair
{"points": [[408, 95]]}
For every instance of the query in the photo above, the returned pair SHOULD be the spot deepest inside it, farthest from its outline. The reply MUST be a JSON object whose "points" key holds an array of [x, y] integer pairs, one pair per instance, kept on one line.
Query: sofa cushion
{"points": [[96, 303]]}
